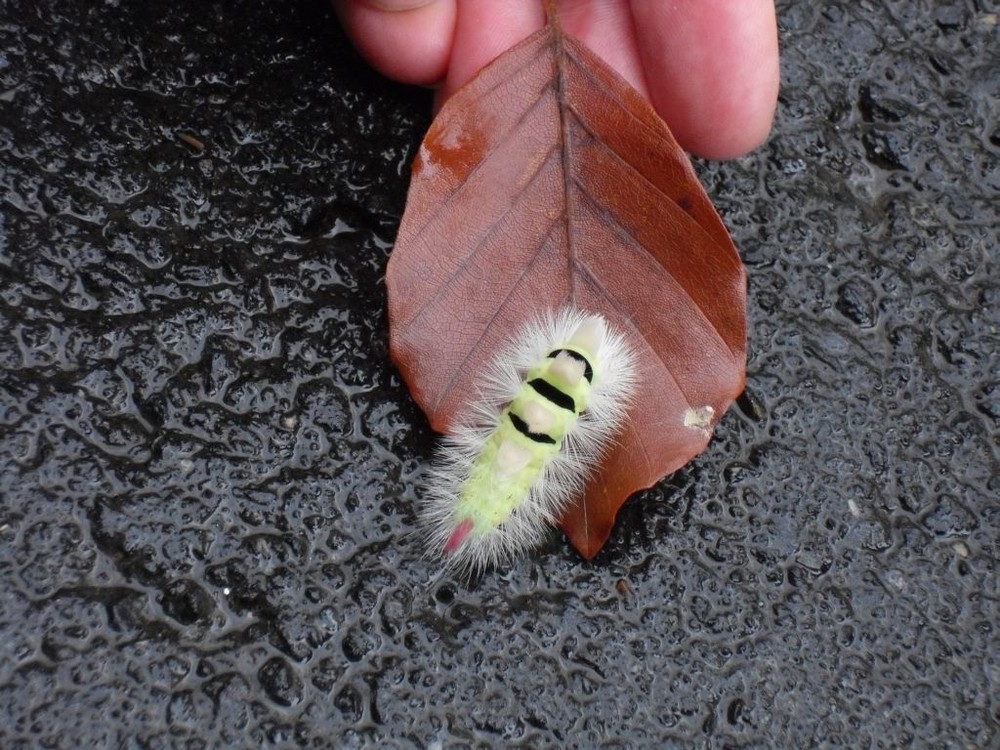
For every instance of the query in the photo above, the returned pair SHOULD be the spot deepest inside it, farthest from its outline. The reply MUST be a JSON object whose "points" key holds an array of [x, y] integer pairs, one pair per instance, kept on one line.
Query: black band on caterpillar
{"points": [[553, 394], [521, 426]]}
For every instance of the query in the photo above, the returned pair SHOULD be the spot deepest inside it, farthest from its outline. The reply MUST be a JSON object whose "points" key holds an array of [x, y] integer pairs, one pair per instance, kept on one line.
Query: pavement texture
{"points": [[208, 465]]}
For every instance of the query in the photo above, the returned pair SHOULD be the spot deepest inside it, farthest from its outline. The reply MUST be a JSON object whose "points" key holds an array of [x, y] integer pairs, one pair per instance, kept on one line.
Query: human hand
{"points": [[710, 67]]}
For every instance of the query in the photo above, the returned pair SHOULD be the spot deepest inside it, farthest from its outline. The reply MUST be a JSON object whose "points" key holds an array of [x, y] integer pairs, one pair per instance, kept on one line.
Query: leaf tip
{"points": [[587, 542]]}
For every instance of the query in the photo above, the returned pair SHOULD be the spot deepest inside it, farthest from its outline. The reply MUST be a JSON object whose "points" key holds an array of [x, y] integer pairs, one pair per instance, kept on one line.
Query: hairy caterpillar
{"points": [[550, 405]]}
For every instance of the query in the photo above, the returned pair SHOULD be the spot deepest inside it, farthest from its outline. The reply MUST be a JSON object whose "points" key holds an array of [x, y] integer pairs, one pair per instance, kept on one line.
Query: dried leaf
{"points": [[546, 181]]}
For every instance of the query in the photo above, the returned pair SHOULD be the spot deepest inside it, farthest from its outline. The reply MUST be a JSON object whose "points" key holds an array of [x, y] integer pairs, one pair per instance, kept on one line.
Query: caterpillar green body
{"points": [[559, 394]]}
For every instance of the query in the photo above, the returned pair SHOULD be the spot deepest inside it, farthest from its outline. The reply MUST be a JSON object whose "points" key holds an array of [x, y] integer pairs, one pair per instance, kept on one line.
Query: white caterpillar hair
{"points": [[549, 406]]}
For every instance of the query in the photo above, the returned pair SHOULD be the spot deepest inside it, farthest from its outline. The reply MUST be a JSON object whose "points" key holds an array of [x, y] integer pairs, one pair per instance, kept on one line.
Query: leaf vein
{"points": [[460, 368], [626, 234], [625, 315], [461, 189], [473, 252]]}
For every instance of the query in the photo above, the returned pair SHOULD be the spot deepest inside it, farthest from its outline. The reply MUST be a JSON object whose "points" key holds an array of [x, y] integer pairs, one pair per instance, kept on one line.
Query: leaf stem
{"points": [[561, 86], [552, 14]]}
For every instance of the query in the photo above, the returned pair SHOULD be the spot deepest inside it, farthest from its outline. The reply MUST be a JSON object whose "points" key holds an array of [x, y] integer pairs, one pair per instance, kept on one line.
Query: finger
{"points": [[606, 28], [488, 28], [407, 40], [483, 30], [712, 70]]}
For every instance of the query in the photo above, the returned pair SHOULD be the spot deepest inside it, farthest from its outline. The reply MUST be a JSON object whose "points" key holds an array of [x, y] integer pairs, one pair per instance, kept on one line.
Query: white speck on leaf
{"points": [[699, 419]]}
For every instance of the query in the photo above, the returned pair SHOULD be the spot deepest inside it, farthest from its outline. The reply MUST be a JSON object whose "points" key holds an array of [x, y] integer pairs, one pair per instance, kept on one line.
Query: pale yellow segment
{"points": [[512, 458], [538, 419], [568, 369]]}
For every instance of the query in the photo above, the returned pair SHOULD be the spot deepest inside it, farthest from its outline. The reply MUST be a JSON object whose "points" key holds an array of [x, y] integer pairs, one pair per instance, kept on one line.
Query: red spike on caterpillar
{"points": [[552, 402]]}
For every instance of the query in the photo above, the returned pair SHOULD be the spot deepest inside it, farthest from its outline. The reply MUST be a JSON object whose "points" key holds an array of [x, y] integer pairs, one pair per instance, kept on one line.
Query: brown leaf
{"points": [[548, 181]]}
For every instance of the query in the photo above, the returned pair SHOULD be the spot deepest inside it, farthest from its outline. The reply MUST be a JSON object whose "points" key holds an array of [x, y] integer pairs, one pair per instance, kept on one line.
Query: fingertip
{"points": [[406, 40], [712, 70], [734, 130], [483, 30]]}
